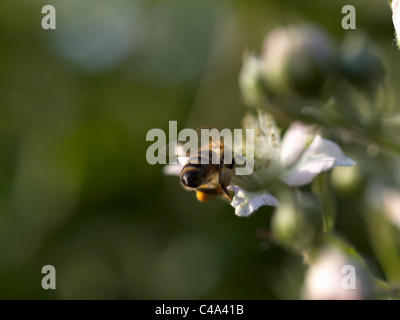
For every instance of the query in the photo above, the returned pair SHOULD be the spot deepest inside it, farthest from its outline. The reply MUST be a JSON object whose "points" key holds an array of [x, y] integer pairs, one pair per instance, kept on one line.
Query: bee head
{"points": [[191, 179]]}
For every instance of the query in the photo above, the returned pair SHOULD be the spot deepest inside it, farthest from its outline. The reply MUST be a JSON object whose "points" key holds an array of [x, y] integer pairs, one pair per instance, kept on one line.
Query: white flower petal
{"points": [[175, 168], [245, 202], [322, 155], [295, 142], [396, 16], [172, 169]]}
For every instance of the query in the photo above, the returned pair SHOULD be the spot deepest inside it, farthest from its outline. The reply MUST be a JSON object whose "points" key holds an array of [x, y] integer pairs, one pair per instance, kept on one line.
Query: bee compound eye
{"points": [[190, 180]]}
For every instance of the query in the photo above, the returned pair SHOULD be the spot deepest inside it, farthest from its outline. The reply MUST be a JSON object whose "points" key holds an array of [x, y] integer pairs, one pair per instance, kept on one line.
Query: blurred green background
{"points": [[76, 191]]}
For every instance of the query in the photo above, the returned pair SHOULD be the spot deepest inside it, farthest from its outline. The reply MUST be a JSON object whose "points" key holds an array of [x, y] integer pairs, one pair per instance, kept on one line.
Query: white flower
{"points": [[302, 156], [396, 17]]}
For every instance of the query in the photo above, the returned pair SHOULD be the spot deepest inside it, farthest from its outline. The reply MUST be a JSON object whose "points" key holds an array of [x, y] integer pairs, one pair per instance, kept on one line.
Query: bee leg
{"points": [[226, 193], [225, 176]]}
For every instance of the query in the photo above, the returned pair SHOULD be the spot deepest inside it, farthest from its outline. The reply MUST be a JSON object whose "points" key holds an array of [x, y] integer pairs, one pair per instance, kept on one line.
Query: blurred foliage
{"points": [[76, 191]]}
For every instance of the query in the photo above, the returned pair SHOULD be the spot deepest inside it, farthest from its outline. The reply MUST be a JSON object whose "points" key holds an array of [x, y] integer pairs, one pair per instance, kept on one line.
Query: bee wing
{"points": [[183, 149], [219, 146], [210, 144], [175, 149], [198, 130], [239, 158], [231, 157]]}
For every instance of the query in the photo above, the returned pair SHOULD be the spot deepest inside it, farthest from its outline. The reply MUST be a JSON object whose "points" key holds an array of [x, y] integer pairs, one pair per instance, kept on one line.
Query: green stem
{"points": [[322, 188]]}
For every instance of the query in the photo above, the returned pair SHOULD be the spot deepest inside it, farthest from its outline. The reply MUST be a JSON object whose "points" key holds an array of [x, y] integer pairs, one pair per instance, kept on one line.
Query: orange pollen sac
{"points": [[202, 197]]}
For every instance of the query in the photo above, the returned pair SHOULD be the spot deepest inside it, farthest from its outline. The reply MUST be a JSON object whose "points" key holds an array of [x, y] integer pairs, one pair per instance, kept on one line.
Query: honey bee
{"points": [[200, 174]]}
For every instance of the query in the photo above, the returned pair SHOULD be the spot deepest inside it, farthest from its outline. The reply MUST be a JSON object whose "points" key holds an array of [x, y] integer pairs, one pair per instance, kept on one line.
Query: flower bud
{"points": [[391, 200], [333, 275], [348, 181], [296, 58], [386, 200], [358, 64], [297, 220], [249, 80]]}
